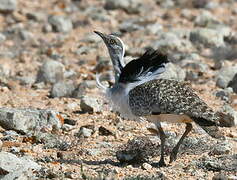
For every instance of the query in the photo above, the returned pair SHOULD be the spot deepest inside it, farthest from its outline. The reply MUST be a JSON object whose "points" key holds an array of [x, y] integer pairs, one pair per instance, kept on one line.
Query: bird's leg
{"points": [[162, 139], [175, 150]]}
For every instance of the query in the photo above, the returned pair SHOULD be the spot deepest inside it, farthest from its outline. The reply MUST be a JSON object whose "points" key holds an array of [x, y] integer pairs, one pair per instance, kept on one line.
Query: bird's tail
{"points": [[210, 127]]}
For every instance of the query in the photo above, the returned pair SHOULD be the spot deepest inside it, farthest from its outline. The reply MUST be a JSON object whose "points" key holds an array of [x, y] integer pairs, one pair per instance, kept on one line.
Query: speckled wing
{"points": [[164, 96]]}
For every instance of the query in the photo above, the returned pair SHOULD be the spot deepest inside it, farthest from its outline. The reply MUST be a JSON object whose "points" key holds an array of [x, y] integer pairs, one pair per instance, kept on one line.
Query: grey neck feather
{"points": [[118, 63]]}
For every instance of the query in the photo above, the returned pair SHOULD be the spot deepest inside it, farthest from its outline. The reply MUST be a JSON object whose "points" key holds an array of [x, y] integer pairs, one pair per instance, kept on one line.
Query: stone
{"points": [[224, 94], [220, 163], [205, 18], [225, 75], [233, 83], [2, 37], [129, 26], [13, 167], [130, 6], [51, 72], [8, 5], [155, 28], [90, 104], [26, 35], [60, 23], [62, 89], [207, 37], [146, 166], [173, 71], [85, 132], [93, 152], [138, 150], [28, 120], [221, 148], [104, 132], [229, 111], [170, 41], [0, 145], [220, 176]]}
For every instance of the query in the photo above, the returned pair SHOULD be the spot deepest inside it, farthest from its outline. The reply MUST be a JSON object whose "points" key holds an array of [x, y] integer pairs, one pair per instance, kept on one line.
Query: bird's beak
{"points": [[103, 36]]}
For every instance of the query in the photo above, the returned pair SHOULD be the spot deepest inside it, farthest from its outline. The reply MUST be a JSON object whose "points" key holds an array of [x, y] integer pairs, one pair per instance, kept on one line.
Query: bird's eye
{"points": [[112, 41]]}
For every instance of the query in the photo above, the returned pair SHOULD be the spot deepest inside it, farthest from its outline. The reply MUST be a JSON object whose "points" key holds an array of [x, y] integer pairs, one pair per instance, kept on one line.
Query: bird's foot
{"points": [[173, 155]]}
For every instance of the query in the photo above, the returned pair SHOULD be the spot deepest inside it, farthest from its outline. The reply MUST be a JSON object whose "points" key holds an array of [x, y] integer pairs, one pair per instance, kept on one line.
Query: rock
{"points": [[62, 89], [60, 23], [224, 94], [212, 5], [2, 37], [229, 111], [170, 41], [138, 150], [220, 176], [51, 71], [205, 19], [146, 166], [26, 35], [224, 53], [28, 120], [221, 163], [233, 83], [104, 132], [85, 132], [155, 28], [36, 16], [194, 65], [0, 145], [130, 6], [173, 71], [221, 148], [8, 5], [225, 75], [166, 3], [13, 167], [70, 122], [129, 26], [90, 104], [93, 152], [207, 37]]}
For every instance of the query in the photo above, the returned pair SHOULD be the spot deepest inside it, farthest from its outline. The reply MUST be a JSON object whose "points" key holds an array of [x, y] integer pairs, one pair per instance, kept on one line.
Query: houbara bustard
{"points": [[138, 92]]}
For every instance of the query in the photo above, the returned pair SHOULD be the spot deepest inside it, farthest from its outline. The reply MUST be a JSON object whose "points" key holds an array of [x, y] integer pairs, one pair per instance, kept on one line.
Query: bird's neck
{"points": [[118, 64]]}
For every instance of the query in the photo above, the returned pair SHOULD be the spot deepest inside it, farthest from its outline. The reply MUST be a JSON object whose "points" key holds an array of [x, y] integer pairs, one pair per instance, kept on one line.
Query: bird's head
{"points": [[116, 50], [114, 44]]}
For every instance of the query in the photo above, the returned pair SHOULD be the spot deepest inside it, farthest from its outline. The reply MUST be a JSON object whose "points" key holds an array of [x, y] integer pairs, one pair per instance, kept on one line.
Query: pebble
{"points": [[90, 104], [51, 71], [8, 5], [146, 166], [207, 37], [62, 89], [85, 132], [233, 83], [225, 75], [60, 23]]}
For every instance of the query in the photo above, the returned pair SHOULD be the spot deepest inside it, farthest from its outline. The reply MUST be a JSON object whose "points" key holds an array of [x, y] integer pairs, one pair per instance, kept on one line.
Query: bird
{"points": [[138, 92]]}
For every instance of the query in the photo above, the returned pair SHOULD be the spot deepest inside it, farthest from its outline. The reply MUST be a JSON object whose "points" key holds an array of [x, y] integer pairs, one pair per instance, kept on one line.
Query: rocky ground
{"points": [[55, 123]]}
